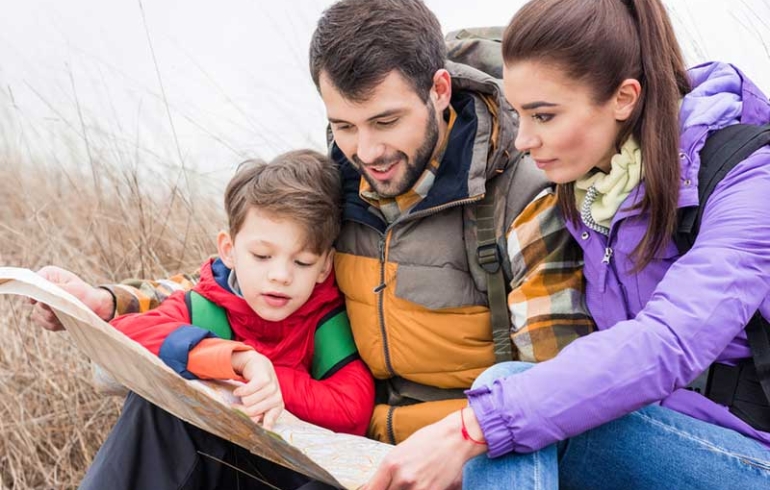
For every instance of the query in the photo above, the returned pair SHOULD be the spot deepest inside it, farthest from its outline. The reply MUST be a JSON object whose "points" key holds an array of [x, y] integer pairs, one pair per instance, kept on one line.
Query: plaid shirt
{"points": [[547, 301], [139, 296]]}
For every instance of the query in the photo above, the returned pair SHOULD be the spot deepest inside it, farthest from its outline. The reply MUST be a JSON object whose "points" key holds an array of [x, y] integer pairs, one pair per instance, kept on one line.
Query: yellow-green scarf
{"points": [[612, 188]]}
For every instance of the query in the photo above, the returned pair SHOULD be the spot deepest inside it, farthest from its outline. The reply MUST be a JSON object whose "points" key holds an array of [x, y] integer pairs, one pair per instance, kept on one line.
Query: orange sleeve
{"points": [[211, 359]]}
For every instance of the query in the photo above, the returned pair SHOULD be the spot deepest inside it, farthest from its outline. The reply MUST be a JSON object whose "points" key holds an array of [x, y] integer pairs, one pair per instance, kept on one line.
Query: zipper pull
{"points": [[607, 255], [381, 249]]}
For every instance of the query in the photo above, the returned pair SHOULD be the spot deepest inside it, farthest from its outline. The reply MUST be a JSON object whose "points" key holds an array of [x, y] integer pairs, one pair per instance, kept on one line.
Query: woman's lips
{"points": [[543, 163]]}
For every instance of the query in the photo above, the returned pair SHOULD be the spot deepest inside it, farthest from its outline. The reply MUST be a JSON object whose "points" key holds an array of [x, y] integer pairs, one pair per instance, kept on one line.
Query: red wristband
{"points": [[464, 430]]}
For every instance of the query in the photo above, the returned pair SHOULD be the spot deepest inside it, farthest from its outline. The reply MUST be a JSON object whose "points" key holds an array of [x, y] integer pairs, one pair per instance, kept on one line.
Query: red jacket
{"points": [[343, 402]]}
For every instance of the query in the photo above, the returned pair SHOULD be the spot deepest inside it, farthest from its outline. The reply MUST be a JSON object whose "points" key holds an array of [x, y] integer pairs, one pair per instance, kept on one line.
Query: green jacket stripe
{"points": [[206, 314], [334, 345]]}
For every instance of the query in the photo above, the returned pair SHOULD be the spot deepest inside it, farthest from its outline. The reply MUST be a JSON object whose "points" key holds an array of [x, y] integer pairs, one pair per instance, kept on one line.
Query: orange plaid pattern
{"points": [[546, 301], [139, 296]]}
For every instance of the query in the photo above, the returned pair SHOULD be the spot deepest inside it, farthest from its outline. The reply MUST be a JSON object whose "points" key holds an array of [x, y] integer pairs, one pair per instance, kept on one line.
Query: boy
{"points": [[274, 280]]}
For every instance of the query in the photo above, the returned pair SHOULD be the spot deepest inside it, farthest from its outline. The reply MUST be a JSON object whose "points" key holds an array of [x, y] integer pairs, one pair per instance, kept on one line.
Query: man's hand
{"points": [[98, 299], [261, 397], [431, 458]]}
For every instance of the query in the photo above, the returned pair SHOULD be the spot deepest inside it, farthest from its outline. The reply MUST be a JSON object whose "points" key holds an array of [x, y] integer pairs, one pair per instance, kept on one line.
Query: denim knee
{"points": [[500, 370]]}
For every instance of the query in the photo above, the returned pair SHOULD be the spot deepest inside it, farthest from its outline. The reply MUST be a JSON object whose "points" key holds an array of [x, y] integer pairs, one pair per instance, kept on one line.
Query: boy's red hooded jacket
{"points": [[342, 402]]}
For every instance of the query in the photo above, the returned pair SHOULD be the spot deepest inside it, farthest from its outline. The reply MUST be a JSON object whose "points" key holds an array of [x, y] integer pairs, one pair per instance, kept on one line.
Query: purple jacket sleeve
{"points": [[699, 307]]}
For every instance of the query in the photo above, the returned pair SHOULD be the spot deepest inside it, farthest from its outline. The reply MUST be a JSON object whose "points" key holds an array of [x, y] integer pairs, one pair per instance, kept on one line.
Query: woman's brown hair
{"points": [[601, 43]]}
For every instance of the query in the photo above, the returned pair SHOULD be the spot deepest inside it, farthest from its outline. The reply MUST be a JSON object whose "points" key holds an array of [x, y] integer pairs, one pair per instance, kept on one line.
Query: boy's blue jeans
{"points": [[649, 449]]}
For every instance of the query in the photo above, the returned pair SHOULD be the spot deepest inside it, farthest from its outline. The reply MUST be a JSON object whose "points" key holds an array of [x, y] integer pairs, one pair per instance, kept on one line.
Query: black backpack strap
{"points": [[758, 333], [490, 259], [721, 153], [724, 149]]}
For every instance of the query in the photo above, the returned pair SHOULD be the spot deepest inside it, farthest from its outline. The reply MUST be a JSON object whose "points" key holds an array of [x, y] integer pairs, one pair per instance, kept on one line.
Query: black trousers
{"points": [[151, 449]]}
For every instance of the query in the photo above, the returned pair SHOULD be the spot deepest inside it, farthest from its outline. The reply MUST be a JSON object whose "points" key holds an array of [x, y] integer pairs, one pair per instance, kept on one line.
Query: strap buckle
{"points": [[489, 257], [701, 383]]}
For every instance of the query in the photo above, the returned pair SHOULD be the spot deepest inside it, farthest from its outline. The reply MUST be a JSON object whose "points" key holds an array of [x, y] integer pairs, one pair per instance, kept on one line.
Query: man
{"points": [[421, 142]]}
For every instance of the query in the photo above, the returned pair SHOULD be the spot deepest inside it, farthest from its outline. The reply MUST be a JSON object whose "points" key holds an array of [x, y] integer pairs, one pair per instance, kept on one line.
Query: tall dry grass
{"points": [[107, 223]]}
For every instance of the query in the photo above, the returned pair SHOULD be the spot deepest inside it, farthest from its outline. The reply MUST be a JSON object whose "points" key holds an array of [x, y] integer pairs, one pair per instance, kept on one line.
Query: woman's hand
{"points": [[432, 458], [261, 397]]}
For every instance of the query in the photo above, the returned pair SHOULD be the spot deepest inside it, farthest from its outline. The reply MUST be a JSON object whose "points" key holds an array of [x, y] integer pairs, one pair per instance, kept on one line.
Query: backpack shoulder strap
{"points": [[208, 315], [490, 259], [724, 149], [333, 344], [758, 334]]}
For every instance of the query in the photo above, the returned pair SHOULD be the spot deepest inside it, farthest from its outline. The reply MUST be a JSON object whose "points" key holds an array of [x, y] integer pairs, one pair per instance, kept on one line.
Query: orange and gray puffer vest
{"points": [[417, 304]]}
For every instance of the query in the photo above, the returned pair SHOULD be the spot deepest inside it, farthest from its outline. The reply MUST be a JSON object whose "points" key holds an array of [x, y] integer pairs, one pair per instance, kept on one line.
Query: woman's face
{"points": [[565, 131]]}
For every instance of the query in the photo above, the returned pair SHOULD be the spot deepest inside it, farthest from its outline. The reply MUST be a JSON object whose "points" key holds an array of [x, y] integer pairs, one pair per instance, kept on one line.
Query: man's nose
{"points": [[370, 148]]}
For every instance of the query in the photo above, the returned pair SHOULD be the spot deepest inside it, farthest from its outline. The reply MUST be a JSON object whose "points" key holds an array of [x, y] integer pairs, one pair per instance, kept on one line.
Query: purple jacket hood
{"points": [[660, 328]]}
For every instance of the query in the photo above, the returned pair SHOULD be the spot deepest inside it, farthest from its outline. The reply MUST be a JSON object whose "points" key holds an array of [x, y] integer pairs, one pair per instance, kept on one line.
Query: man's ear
{"points": [[442, 89], [626, 98], [328, 266], [225, 249]]}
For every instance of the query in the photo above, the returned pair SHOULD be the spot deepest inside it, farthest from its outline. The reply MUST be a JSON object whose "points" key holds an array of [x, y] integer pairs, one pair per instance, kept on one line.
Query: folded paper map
{"points": [[343, 460]]}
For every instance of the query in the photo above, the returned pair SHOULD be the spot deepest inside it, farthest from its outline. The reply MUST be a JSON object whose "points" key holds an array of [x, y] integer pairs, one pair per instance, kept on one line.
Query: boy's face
{"points": [[274, 270]]}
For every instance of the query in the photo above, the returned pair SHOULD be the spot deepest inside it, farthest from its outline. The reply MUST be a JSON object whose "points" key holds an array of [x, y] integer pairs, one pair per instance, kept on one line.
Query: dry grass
{"points": [[107, 224]]}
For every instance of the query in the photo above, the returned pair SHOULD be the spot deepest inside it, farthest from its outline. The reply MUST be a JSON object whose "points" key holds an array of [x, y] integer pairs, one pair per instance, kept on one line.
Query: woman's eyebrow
{"points": [[537, 104]]}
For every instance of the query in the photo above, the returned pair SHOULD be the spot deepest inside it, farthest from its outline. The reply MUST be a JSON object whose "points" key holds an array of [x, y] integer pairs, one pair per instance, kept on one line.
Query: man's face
{"points": [[389, 138]]}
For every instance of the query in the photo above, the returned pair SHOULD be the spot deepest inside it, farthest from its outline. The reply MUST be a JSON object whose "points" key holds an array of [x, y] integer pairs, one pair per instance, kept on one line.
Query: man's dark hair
{"points": [[357, 43]]}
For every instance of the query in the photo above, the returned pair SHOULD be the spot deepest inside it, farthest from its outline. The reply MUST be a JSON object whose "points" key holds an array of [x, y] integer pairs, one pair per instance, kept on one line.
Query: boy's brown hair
{"points": [[303, 186]]}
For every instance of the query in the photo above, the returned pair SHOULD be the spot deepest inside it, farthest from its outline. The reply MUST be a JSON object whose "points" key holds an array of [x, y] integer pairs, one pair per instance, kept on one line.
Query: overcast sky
{"points": [[158, 82]]}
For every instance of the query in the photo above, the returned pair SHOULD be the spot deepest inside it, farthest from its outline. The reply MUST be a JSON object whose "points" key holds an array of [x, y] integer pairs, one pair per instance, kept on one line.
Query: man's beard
{"points": [[415, 166]]}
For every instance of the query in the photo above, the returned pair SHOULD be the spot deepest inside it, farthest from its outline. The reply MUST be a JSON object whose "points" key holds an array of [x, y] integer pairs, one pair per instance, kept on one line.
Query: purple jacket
{"points": [[659, 329]]}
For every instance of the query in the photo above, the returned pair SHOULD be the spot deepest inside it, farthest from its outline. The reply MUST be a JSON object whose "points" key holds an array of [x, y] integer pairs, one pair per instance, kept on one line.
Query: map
{"points": [[343, 460]]}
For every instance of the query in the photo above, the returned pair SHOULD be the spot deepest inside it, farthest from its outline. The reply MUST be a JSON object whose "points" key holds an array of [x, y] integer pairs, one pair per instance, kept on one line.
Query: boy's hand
{"points": [[261, 397], [98, 299]]}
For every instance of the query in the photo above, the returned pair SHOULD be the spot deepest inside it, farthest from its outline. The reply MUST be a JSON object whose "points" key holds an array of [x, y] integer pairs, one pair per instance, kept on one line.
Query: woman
{"points": [[609, 113]]}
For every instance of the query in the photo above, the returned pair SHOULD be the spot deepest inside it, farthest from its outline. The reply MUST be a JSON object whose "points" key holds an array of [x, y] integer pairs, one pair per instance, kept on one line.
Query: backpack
{"points": [[333, 341], [733, 386]]}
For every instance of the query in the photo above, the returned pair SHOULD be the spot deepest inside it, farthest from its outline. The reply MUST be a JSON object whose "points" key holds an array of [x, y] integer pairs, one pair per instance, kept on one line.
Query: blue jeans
{"points": [[649, 449]]}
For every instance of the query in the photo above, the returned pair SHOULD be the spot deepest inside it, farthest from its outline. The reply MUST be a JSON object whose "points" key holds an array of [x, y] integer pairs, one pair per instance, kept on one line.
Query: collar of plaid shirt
{"points": [[393, 207]]}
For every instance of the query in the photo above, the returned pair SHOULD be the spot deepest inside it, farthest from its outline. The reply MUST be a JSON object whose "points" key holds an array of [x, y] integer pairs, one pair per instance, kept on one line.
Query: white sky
{"points": [[234, 73]]}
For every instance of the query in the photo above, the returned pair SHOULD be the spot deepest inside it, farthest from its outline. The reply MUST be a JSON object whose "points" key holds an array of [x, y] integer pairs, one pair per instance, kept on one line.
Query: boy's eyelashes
{"points": [[300, 263]]}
